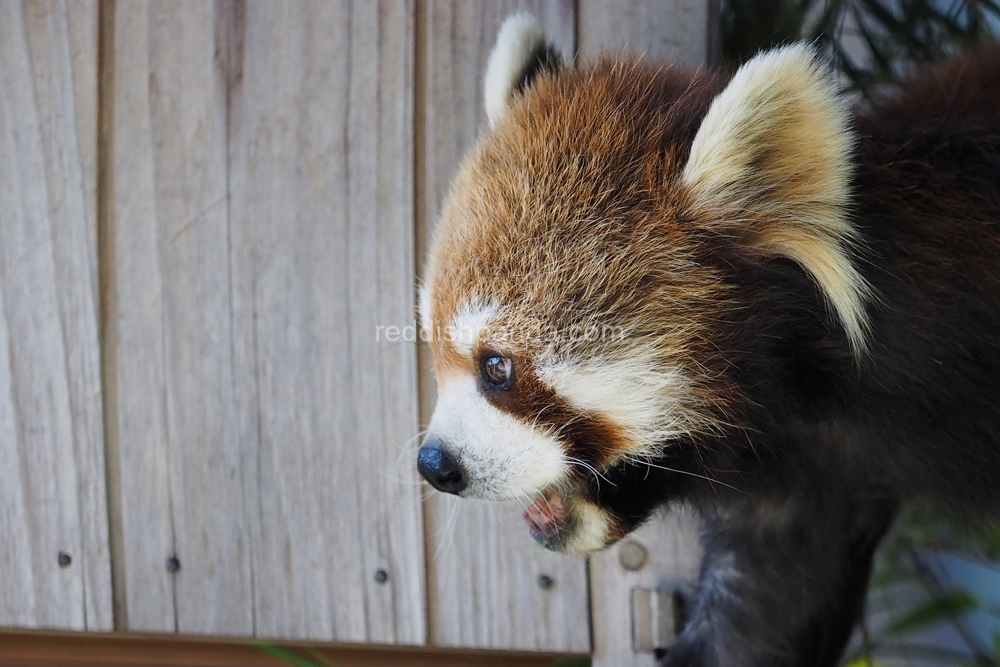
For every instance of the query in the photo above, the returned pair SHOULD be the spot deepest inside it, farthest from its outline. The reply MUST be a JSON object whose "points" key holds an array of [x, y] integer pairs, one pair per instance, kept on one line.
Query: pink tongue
{"points": [[546, 516]]}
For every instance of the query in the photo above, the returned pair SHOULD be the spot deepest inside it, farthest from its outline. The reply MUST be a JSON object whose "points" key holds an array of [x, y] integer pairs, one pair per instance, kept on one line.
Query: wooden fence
{"points": [[206, 211]]}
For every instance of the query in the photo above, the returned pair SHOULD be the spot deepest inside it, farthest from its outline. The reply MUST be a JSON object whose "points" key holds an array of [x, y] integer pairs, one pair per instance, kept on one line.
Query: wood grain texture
{"points": [[262, 224], [322, 255], [675, 31], [181, 460], [259, 229], [482, 566], [52, 491]]}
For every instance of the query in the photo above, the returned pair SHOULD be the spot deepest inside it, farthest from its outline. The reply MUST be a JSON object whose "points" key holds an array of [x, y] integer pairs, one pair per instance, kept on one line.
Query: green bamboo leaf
{"points": [[572, 661], [942, 608], [286, 655]]}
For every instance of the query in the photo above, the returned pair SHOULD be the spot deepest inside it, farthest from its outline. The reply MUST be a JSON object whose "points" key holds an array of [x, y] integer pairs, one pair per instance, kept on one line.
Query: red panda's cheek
{"points": [[500, 457], [635, 403], [586, 436]]}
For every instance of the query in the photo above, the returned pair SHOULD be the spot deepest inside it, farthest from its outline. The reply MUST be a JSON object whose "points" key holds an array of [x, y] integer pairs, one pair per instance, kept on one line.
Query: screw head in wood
{"points": [[545, 582], [65, 560], [381, 576], [173, 564], [632, 555]]}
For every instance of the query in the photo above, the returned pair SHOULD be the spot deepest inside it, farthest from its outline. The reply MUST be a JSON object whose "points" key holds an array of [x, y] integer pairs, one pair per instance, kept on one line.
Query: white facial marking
{"points": [[591, 532], [467, 324], [424, 306], [635, 393], [503, 457]]}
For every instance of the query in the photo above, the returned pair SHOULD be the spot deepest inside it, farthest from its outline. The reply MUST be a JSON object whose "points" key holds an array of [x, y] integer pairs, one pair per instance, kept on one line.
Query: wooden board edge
{"points": [[37, 648]]}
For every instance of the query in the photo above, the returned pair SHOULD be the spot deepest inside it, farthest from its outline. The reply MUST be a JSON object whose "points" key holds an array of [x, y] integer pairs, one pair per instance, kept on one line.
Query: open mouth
{"points": [[548, 516]]}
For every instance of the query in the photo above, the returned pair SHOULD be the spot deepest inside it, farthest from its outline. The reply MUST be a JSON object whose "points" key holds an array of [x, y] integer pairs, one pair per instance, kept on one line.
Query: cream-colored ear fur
{"points": [[519, 40], [772, 158]]}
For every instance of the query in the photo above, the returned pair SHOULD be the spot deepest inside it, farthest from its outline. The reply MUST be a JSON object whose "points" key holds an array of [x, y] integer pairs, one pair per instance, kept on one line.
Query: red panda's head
{"points": [[581, 292]]}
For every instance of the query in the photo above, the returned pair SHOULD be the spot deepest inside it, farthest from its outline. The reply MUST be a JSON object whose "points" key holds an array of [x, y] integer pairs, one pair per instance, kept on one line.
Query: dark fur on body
{"points": [[827, 446]]}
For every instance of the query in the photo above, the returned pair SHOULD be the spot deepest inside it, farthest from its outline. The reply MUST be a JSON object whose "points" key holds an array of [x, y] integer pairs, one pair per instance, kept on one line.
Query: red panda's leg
{"points": [[781, 585]]}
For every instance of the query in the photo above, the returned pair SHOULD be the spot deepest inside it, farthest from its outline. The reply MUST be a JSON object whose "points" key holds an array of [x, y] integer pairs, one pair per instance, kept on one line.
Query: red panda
{"points": [[651, 285]]}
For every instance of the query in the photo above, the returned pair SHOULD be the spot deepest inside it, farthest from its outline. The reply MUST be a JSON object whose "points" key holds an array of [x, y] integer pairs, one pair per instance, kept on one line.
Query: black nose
{"points": [[439, 469]]}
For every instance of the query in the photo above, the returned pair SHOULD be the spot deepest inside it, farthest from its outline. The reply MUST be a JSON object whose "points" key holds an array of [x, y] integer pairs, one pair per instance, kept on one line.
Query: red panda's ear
{"points": [[771, 161], [519, 55]]}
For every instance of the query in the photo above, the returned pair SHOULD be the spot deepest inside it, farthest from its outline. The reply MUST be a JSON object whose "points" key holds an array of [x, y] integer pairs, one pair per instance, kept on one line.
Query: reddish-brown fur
{"points": [[595, 197]]}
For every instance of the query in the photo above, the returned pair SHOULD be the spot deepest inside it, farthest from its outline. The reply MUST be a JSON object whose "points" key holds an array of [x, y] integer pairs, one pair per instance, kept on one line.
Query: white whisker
{"points": [[681, 472], [446, 534], [592, 469]]}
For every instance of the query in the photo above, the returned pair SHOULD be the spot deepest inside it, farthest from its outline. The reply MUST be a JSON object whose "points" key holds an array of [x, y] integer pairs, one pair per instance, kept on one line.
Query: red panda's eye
{"points": [[498, 371]]}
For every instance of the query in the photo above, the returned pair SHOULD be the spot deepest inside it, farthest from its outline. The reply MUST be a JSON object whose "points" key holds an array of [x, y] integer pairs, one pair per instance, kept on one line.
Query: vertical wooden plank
{"points": [[52, 492], [483, 569], [82, 20], [62, 39], [17, 596], [182, 465], [675, 31], [136, 327], [671, 542], [322, 255]]}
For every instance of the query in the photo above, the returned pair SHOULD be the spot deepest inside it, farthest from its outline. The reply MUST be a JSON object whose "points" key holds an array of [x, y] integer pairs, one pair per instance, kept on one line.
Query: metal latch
{"points": [[657, 618]]}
